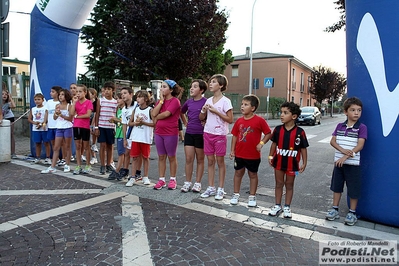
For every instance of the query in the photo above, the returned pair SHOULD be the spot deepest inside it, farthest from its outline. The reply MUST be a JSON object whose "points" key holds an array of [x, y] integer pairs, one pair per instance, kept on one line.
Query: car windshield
{"points": [[307, 110]]}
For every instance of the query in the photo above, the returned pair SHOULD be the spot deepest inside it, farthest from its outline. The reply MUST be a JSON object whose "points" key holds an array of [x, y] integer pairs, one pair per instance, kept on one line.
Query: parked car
{"points": [[309, 115]]}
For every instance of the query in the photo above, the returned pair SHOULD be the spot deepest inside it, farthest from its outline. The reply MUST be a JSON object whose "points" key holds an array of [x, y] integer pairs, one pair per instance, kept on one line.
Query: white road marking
{"points": [[325, 140], [23, 221]]}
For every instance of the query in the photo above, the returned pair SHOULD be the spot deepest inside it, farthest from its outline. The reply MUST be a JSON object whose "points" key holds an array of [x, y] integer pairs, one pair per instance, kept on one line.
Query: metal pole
{"points": [[250, 57], [268, 94]]}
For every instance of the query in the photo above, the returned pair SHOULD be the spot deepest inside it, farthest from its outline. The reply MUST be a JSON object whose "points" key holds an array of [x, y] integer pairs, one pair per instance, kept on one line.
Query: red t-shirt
{"points": [[170, 125], [249, 134]]}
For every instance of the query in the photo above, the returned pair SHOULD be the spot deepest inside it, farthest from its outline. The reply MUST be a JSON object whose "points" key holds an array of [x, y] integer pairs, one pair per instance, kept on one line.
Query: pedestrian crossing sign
{"points": [[268, 83]]}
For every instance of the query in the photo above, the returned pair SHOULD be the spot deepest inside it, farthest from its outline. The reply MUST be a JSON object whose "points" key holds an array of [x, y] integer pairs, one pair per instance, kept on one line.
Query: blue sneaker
{"points": [[350, 219]]}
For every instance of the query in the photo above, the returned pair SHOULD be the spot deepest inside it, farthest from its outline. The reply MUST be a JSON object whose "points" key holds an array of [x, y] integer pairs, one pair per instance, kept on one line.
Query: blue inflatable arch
{"points": [[55, 28], [372, 55]]}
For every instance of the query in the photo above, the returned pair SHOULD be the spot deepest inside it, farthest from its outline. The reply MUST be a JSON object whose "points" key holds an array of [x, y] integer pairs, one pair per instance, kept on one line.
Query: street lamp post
{"points": [[250, 57]]}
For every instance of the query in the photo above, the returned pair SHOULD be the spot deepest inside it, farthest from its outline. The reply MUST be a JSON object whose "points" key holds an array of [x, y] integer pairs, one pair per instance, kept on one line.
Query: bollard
{"points": [[5, 141]]}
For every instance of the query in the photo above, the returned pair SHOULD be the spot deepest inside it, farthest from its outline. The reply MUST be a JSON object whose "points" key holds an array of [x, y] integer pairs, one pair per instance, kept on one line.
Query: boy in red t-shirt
{"points": [[246, 146]]}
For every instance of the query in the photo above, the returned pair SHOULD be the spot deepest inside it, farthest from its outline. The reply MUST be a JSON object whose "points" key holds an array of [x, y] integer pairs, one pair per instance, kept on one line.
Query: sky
{"points": [[284, 27]]}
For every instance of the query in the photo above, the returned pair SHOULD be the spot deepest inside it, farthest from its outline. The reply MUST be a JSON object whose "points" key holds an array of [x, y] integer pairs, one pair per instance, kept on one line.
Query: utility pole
{"points": [[4, 35]]}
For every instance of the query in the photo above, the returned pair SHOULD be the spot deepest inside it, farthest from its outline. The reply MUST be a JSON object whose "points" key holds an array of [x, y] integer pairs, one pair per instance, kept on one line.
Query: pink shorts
{"points": [[215, 144]]}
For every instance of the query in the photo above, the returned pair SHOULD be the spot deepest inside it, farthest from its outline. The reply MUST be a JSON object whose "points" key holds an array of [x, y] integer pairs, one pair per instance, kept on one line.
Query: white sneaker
{"points": [[252, 201], [219, 194], [234, 199], [186, 187], [275, 210], [146, 181], [287, 212], [210, 191], [131, 181], [93, 160], [83, 158], [196, 188], [36, 160], [49, 170], [94, 148], [72, 158], [67, 168], [47, 161]]}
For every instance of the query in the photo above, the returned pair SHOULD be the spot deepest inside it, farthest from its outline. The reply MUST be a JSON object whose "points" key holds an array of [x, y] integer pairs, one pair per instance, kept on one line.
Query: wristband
{"points": [[161, 102], [270, 157], [95, 127], [76, 116], [261, 143], [202, 112]]}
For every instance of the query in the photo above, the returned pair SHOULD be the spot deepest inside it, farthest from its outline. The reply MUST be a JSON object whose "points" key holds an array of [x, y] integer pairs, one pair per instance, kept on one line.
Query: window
{"points": [[293, 81], [292, 99], [302, 82], [309, 83], [234, 70], [9, 70], [300, 101]]}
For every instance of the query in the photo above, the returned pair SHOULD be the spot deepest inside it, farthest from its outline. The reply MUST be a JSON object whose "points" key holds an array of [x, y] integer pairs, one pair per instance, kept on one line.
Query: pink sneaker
{"points": [[172, 184], [160, 184]]}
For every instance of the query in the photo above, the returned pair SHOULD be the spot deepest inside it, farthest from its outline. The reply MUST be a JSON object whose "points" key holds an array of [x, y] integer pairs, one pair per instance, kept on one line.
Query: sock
{"points": [[173, 178], [138, 172], [352, 211], [162, 178], [335, 208], [287, 205], [278, 204], [220, 188]]}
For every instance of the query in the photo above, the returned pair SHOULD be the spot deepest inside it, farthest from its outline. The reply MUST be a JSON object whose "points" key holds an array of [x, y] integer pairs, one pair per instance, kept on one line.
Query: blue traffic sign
{"points": [[268, 83]]}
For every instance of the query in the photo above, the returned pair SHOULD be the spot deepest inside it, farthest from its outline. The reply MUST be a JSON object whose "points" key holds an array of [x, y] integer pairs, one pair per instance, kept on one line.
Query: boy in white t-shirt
{"points": [[141, 136], [38, 118]]}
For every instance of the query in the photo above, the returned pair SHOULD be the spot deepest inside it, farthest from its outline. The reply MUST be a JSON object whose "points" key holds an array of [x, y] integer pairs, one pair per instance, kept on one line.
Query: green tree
{"points": [[143, 40], [342, 18], [100, 37], [327, 84], [275, 105]]}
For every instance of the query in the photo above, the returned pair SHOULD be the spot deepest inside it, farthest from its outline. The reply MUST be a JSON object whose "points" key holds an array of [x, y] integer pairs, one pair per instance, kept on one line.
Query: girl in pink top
{"points": [[165, 115], [218, 113], [81, 110]]}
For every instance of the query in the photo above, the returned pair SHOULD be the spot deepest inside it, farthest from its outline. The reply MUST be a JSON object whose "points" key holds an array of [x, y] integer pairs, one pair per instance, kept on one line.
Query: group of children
{"points": [[139, 123]]}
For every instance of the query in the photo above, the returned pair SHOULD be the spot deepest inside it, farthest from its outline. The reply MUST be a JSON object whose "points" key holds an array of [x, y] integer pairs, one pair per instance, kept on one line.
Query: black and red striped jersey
{"points": [[289, 144]]}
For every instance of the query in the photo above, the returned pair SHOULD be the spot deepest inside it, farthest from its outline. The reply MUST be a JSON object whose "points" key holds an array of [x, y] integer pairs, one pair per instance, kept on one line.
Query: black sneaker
{"points": [[102, 170], [138, 177], [123, 173], [114, 175], [109, 168]]}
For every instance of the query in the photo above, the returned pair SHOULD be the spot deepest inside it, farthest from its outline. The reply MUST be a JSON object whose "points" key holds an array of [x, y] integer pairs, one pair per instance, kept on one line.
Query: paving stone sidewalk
{"points": [[93, 235]]}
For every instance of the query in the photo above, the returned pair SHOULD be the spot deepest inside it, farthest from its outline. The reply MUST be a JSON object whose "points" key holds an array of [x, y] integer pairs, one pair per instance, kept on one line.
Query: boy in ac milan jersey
{"points": [[289, 145]]}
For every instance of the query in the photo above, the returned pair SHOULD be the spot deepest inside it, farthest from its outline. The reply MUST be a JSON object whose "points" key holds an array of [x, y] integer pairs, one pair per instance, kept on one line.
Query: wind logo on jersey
{"points": [[289, 153]]}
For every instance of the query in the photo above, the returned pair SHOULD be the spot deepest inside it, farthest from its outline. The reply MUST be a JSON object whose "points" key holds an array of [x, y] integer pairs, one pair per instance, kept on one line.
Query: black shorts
{"points": [[107, 135], [11, 119], [81, 133], [180, 125], [196, 140], [251, 164], [351, 174]]}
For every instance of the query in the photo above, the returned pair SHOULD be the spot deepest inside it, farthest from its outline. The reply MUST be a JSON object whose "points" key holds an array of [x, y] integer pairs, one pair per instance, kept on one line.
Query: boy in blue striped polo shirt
{"points": [[348, 140]]}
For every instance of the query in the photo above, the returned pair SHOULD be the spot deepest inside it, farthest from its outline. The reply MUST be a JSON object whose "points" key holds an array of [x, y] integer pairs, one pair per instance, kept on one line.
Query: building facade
{"points": [[14, 67], [292, 78]]}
